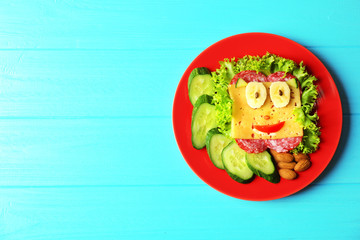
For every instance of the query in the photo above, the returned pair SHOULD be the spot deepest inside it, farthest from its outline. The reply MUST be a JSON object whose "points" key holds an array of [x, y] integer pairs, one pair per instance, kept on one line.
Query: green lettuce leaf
{"points": [[309, 142], [300, 73], [305, 115], [283, 64], [221, 99], [267, 64], [248, 63], [308, 82], [309, 95]]}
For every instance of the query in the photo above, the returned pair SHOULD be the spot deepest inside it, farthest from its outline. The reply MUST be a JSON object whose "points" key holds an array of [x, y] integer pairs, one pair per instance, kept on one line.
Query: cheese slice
{"points": [[244, 117]]}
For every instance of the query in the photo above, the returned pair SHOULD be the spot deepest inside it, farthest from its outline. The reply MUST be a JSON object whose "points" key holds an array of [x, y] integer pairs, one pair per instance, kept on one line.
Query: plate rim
{"points": [[338, 136]]}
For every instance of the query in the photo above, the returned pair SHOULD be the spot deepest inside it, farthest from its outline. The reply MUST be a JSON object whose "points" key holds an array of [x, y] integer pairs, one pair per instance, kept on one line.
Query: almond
{"points": [[287, 174], [302, 165], [286, 165], [301, 156], [282, 157]]}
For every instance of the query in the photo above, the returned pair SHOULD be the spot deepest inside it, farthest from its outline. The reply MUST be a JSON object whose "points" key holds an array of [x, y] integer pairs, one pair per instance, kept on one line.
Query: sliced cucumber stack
{"points": [[234, 160], [203, 119], [215, 143], [261, 165], [200, 83]]}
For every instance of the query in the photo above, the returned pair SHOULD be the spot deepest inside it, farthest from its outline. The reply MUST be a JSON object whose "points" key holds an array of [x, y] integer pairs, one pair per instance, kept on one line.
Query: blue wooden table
{"points": [[87, 149]]}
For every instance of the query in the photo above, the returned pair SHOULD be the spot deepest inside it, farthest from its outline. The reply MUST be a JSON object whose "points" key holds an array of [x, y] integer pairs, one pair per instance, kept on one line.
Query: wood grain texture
{"points": [[155, 212], [57, 152], [98, 83], [86, 142], [95, 152], [141, 24]]}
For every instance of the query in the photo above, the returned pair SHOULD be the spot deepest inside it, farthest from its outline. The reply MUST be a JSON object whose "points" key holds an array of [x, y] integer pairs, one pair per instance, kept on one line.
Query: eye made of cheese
{"points": [[280, 94], [256, 94]]}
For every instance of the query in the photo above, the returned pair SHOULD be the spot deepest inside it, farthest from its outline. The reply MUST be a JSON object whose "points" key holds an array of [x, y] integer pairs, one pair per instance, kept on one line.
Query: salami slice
{"points": [[283, 144], [249, 76], [252, 145], [279, 77]]}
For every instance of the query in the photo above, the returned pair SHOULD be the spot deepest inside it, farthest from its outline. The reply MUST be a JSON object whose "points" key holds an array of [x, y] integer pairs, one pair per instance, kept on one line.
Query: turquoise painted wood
{"points": [[87, 149]]}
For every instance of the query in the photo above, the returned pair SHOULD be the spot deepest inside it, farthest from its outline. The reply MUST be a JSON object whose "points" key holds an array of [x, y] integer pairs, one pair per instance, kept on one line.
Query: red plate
{"points": [[329, 111]]}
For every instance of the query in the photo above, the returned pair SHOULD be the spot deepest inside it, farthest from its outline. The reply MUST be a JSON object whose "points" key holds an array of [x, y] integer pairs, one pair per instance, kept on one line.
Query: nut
{"points": [[281, 157], [302, 165], [301, 156], [286, 165], [287, 174]]}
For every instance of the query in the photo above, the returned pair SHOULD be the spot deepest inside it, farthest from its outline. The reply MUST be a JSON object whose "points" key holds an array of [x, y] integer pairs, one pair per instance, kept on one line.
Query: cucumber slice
{"points": [[234, 160], [203, 99], [203, 119], [240, 83], [292, 83], [215, 143], [261, 165], [200, 83]]}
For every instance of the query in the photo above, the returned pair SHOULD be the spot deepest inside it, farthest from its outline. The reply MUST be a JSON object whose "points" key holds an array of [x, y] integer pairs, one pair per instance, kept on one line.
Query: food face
{"points": [[256, 114], [264, 110]]}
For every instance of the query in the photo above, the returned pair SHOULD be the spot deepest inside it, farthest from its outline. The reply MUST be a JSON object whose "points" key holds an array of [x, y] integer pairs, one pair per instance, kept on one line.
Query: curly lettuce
{"points": [[306, 115], [223, 103], [267, 64]]}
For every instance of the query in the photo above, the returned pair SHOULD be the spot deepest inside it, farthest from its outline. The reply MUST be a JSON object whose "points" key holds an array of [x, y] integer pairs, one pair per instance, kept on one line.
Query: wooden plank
{"points": [[100, 83], [88, 83], [147, 25], [185, 212], [119, 151], [123, 151], [86, 143]]}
